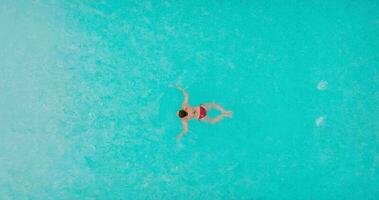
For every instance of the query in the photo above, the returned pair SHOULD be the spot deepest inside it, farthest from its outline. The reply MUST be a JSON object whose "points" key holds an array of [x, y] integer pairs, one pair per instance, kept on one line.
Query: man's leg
{"points": [[214, 105], [214, 120]]}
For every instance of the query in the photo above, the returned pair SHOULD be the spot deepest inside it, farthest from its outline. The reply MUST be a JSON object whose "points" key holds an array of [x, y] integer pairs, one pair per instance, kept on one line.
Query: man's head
{"points": [[182, 113]]}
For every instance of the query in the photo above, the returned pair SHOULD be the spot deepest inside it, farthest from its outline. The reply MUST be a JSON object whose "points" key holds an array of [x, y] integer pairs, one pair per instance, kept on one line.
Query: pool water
{"points": [[88, 103]]}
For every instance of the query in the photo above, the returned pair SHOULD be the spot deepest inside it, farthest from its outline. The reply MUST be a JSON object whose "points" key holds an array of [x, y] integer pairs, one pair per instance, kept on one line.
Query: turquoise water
{"points": [[87, 107]]}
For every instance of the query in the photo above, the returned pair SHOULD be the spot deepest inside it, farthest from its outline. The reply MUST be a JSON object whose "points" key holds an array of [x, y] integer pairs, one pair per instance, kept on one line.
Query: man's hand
{"points": [[179, 87]]}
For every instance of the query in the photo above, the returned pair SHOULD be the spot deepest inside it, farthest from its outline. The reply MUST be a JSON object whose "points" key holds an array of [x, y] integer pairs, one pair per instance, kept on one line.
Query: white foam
{"points": [[322, 85], [320, 121]]}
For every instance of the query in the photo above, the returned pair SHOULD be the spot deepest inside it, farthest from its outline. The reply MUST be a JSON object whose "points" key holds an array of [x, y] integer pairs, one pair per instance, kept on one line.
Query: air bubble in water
{"points": [[322, 85]]}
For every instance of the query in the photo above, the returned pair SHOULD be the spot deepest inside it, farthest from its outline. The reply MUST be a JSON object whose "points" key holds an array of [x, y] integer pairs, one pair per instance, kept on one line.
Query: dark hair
{"points": [[182, 113]]}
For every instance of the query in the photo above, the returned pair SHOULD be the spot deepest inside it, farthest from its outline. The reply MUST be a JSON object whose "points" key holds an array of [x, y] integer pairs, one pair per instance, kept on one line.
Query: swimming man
{"points": [[199, 112]]}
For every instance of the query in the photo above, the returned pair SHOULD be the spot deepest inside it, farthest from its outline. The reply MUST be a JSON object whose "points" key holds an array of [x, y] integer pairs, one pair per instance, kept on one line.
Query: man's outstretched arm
{"points": [[186, 96], [185, 129]]}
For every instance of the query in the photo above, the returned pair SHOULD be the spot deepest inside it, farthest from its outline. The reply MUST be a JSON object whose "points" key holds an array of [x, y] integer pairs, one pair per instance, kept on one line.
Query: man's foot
{"points": [[228, 113]]}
